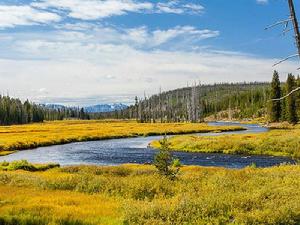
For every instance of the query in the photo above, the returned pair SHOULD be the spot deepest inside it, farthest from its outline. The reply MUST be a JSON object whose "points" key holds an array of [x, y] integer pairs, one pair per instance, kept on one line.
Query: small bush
{"points": [[4, 163], [21, 165], [176, 163], [25, 165], [164, 161]]}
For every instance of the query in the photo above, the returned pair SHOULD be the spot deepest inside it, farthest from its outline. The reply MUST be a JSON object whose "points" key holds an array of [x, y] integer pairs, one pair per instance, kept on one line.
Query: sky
{"points": [[85, 52]]}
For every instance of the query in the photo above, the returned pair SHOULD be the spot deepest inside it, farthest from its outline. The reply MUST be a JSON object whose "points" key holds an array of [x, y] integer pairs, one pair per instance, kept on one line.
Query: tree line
{"points": [[286, 109], [14, 111], [193, 104]]}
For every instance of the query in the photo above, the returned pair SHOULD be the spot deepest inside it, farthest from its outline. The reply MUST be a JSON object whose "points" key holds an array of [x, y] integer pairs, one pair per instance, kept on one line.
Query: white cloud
{"points": [[188, 32], [99, 9], [177, 8], [262, 2], [48, 11], [11, 16], [34, 44], [194, 7], [94, 9], [169, 8]]}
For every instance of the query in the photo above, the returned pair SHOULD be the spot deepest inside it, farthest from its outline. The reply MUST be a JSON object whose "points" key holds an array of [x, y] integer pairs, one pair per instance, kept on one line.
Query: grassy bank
{"points": [[277, 142], [60, 132], [132, 194]]}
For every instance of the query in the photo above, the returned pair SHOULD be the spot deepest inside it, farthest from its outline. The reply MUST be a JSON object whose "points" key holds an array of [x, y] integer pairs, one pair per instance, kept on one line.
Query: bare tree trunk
{"points": [[295, 24], [160, 106], [200, 106], [193, 104]]}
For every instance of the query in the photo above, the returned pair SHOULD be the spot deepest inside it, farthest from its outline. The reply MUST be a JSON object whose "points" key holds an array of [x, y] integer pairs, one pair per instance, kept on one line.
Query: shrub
{"points": [[4, 163], [164, 161], [176, 163], [21, 165], [25, 165]]}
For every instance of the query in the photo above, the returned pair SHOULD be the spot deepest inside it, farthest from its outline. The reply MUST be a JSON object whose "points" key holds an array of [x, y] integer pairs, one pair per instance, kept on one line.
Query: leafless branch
{"points": [[285, 59], [286, 31], [293, 91], [279, 23]]}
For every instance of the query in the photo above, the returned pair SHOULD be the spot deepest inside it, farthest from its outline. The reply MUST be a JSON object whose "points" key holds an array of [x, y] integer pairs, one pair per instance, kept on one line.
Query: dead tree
{"points": [[292, 92], [292, 19], [193, 104], [295, 24]]}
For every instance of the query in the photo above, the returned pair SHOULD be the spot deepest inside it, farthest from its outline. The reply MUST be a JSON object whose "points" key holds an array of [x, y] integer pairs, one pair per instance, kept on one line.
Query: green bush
{"points": [[4, 163], [21, 165], [25, 165], [164, 161]]}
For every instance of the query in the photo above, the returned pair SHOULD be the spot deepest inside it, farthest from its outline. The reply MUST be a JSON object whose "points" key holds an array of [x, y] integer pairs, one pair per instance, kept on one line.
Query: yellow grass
{"points": [[282, 141], [53, 206], [59, 132], [136, 194]]}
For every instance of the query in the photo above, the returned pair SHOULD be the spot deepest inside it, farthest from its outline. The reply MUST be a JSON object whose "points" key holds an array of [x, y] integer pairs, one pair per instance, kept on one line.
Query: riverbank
{"points": [[135, 194], [279, 141], [20, 137]]}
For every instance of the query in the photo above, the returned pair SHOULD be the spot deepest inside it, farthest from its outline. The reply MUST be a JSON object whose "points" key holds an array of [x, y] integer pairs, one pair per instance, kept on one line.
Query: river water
{"points": [[136, 150]]}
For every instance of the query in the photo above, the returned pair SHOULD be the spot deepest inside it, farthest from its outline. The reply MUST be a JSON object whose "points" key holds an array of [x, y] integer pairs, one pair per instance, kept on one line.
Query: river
{"points": [[136, 150]]}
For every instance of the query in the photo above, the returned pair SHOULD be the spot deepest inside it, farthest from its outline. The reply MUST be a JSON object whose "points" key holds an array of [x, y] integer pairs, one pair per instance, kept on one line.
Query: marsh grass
{"points": [[277, 142], [136, 194], [30, 136], [25, 165]]}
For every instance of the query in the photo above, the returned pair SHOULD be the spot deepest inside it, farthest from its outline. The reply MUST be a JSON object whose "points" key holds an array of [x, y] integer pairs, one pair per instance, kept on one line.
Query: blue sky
{"points": [[81, 52]]}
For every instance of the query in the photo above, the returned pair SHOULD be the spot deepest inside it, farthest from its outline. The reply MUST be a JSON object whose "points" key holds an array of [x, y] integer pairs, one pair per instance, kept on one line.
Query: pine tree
{"points": [[291, 100], [164, 162], [275, 108]]}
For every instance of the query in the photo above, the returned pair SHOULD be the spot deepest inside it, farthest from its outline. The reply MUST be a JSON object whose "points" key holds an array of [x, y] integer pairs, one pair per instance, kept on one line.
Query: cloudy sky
{"points": [[82, 52]]}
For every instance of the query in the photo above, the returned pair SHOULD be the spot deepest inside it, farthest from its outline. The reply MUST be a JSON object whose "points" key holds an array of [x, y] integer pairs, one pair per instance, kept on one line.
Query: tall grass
{"points": [[132, 194], [60, 132], [279, 142]]}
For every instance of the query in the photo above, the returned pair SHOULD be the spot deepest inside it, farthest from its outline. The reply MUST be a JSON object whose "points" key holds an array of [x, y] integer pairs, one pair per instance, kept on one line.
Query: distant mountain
{"points": [[53, 106], [105, 108], [90, 109]]}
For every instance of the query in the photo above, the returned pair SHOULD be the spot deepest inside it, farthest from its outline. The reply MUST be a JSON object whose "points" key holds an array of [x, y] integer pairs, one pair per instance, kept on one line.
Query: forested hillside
{"points": [[218, 101], [229, 100], [13, 111]]}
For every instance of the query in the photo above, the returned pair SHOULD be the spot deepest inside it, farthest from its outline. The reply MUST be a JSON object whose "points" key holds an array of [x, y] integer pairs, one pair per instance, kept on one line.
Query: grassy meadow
{"points": [[282, 140], [136, 194], [29, 136]]}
